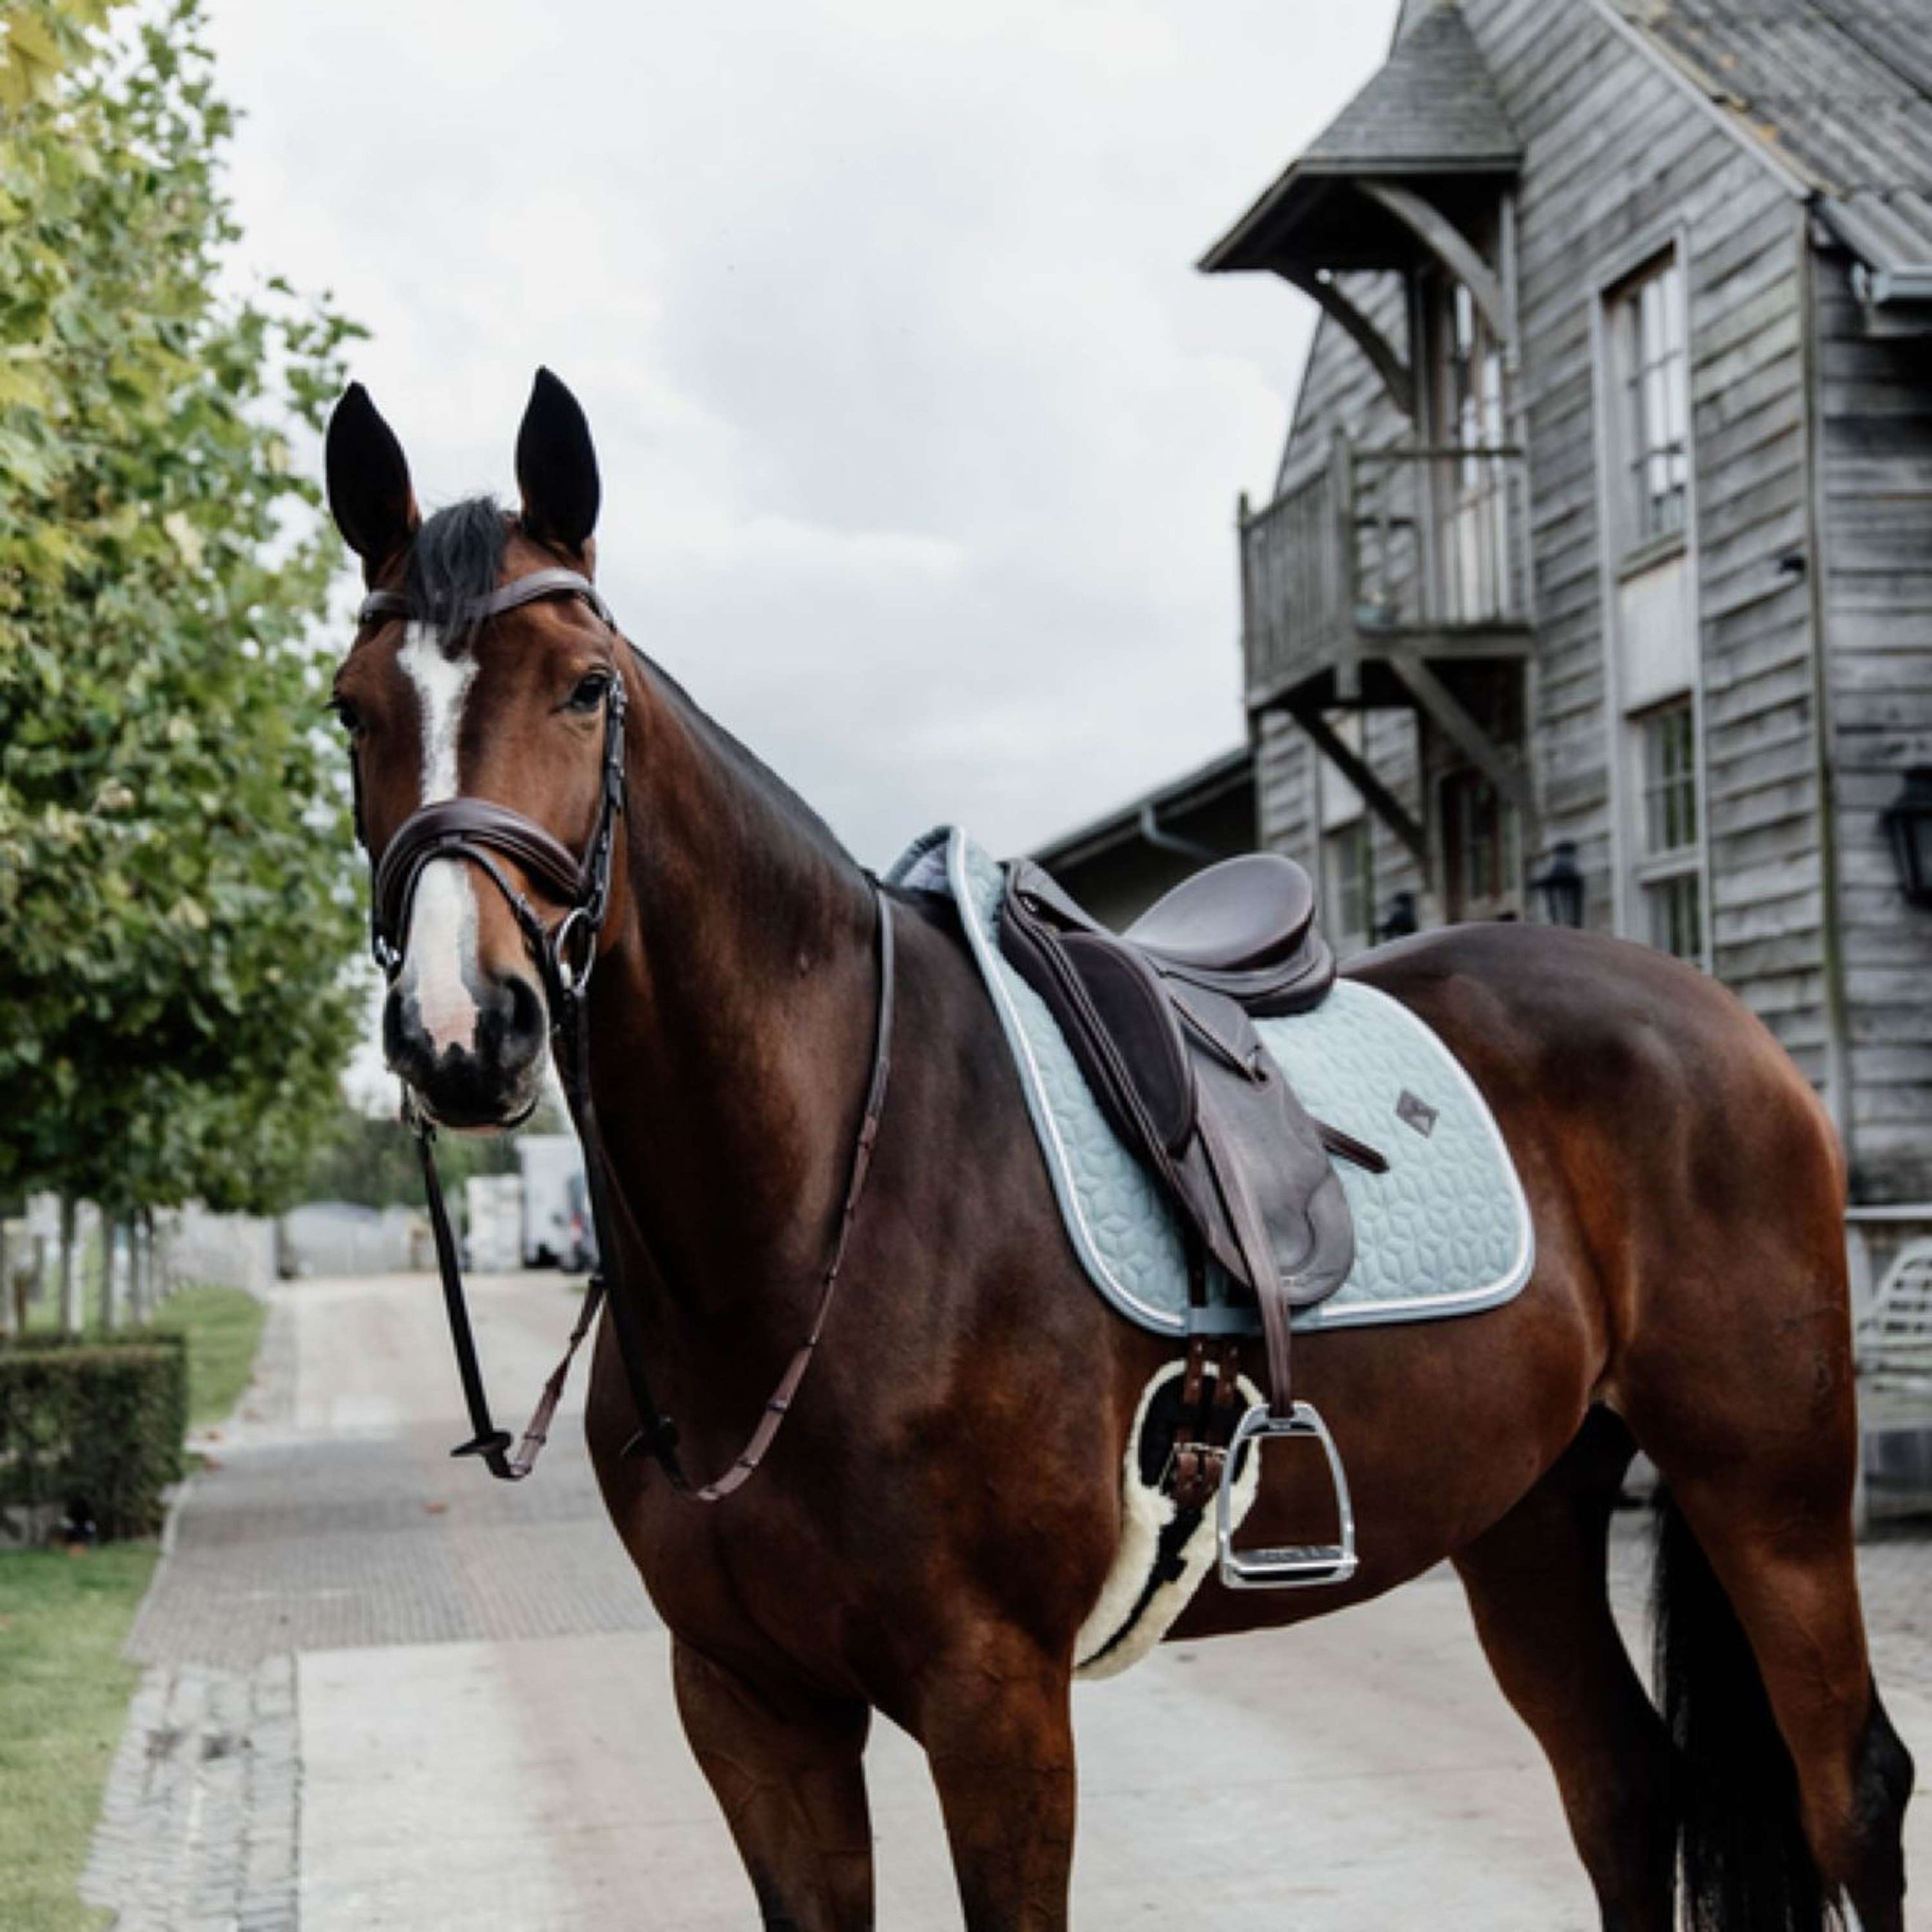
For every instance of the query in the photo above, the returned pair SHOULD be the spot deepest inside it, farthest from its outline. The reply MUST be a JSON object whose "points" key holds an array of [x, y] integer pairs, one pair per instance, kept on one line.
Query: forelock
{"points": [[453, 564]]}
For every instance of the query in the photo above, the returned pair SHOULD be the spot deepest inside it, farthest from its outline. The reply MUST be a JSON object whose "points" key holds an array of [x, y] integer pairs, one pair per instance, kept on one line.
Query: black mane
{"points": [[454, 563]]}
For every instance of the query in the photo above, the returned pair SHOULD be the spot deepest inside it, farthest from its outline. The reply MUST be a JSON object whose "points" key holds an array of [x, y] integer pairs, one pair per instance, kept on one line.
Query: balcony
{"points": [[1379, 562]]}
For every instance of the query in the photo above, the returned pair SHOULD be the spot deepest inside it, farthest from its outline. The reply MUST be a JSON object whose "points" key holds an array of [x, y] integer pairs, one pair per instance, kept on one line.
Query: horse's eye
{"points": [[591, 692], [347, 716]]}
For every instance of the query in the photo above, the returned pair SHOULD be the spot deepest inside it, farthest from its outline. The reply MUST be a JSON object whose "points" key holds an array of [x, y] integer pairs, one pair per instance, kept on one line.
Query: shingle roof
{"points": [[1432, 104], [1841, 90], [1431, 108]]}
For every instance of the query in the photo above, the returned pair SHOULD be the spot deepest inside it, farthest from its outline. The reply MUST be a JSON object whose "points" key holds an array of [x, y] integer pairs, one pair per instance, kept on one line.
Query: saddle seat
{"points": [[1246, 928]]}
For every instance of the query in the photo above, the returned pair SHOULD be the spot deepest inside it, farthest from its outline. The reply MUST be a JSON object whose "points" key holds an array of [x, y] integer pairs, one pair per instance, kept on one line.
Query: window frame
{"points": [[1621, 561], [1656, 871], [1650, 347], [1462, 905], [1336, 840], [1342, 813]]}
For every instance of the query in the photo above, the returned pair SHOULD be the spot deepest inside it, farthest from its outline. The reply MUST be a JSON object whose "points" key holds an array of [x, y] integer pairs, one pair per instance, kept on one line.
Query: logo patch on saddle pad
{"points": [[1412, 1110]]}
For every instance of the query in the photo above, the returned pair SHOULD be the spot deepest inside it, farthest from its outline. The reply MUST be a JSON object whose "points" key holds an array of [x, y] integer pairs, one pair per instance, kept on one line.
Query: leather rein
{"points": [[565, 951]]}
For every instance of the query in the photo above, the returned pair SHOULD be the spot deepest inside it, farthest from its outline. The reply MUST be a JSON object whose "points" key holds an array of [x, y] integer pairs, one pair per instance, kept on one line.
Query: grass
{"points": [[223, 1326], [64, 1687], [63, 1692]]}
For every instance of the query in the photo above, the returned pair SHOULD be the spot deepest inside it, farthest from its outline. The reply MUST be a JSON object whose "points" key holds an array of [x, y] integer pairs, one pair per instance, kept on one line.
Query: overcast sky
{"points": [[920, 433]]}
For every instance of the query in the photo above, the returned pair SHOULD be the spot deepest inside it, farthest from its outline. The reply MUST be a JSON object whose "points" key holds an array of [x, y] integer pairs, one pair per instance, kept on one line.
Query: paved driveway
{"points": [[384, 1692]]}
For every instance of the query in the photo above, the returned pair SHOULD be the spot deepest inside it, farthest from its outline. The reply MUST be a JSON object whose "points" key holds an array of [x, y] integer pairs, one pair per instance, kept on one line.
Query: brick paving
{"points": [[315, 1546], [294, 1540], [198, 1829], [332, 1536]]}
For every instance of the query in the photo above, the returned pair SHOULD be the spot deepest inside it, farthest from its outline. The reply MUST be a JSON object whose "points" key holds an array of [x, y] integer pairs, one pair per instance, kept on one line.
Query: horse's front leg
{"points": [[998, 1733], [787, 1770]]}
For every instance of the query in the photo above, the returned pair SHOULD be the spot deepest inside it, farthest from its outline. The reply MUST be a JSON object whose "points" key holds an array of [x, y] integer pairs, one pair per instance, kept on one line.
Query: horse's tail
{"points": [[1746, 1865]]}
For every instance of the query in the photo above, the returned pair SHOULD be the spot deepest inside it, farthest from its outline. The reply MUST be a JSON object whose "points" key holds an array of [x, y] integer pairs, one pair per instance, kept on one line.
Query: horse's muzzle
{"points": [[494, 1082]]}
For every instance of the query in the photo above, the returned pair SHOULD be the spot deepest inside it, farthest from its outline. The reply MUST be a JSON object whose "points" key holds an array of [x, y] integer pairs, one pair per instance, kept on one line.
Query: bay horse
{"points": [[927, 1537]]}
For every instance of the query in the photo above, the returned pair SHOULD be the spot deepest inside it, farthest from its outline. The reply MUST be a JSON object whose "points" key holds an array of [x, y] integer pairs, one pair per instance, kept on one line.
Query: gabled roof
{"points": [[1839, 91], [1431, 109], [1431, 105]]}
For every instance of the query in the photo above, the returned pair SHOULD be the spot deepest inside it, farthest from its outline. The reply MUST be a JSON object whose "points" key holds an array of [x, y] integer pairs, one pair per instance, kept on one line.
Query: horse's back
{"points": [[1584, 1027]]}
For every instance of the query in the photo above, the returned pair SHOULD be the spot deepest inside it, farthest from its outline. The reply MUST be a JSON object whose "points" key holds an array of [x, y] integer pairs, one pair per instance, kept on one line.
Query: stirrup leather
{"points": [[1293, 1566]]}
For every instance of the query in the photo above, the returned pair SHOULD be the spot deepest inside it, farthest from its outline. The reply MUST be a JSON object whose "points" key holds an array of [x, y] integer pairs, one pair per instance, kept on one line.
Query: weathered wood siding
{"points": [[1875, 434], [1617, 156]]}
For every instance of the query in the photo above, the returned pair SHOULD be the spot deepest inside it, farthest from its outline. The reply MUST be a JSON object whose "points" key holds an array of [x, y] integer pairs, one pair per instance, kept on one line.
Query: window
{"points": [[1667, 870], [1478, 847], [1470, 484], [1651, 615], [1348, 884], [1472, 390], [1348, 873], [1653, 403]]}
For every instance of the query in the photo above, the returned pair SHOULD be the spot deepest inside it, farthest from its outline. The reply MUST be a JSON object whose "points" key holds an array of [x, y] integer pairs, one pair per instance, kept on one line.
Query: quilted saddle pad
{"points": [[1445, 1231]]}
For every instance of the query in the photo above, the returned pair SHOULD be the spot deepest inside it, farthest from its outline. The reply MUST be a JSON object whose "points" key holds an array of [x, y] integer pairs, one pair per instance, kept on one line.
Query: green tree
{"points": [[371, 1159], [177, 895]]}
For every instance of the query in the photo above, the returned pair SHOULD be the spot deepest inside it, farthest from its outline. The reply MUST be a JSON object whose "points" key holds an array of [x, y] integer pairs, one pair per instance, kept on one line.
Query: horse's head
{"points": [[443, 702]]}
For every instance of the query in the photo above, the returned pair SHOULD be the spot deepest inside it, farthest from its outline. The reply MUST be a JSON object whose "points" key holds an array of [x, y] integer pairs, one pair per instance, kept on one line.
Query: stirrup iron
{"points": [[1293, 1566]]}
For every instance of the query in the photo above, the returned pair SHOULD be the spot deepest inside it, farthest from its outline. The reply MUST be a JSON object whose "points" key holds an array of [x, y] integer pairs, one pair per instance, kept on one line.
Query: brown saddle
{"points": [[1158, 1019]]}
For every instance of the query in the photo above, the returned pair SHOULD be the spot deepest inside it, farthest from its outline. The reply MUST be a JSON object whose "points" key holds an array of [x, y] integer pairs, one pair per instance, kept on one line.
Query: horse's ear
{"points": [[369, 490], [557, 467]]}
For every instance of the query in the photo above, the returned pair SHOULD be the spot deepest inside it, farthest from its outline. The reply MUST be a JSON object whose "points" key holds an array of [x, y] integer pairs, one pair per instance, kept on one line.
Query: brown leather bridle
{"points": [[565, 951]]}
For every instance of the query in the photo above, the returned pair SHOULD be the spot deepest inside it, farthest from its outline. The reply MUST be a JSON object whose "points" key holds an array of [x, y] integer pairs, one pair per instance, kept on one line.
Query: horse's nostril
{"points": [[512, 1031], [526, 1009]]}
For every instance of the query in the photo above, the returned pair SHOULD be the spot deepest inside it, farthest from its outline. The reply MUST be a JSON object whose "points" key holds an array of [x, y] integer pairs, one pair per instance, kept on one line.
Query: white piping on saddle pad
{"points": [[1113, 1639]]}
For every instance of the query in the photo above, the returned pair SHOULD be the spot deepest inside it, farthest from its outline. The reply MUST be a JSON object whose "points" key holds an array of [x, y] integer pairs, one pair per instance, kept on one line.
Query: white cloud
{"points": [[921, 435]]}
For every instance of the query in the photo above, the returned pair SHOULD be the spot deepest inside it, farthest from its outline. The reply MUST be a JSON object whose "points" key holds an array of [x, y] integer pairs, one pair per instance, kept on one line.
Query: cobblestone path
{"points": [[385, 1694], [329, 1517]]}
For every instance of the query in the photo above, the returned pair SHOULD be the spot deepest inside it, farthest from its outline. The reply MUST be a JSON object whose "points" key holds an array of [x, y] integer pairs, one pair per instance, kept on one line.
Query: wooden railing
{"points": [[1379, 547]]}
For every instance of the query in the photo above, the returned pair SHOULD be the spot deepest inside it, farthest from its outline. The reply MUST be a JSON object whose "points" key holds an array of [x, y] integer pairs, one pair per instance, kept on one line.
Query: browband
{"points": [[553, 582]]}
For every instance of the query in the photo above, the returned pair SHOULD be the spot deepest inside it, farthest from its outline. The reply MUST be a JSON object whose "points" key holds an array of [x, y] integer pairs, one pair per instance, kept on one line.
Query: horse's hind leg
{"points": [[1743, 1395], [1536, 1585], [1783, 1555], [789, 1775]]}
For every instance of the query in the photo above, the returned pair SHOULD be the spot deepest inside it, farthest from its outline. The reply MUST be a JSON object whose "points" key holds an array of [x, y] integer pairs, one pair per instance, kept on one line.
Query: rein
{"points": [[565, 952]]}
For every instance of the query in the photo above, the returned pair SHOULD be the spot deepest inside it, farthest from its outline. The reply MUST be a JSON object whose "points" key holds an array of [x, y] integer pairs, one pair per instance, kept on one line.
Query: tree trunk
{"points": [[8, 1261], [110, 1273], [139, 1305], [69, 1270]]}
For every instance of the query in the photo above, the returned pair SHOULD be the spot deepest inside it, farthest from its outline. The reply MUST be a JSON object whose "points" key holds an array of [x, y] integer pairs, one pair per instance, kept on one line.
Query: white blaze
{"points": [[440, 951]]}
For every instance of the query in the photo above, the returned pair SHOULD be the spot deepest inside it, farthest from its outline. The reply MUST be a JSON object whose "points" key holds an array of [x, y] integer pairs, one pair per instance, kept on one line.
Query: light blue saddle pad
{"points": [[1445, 1231]]}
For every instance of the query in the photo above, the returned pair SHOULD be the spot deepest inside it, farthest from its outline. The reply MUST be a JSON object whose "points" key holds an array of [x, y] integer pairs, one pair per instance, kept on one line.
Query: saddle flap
{"points": [[1138, 1020], [1112, 1010]]}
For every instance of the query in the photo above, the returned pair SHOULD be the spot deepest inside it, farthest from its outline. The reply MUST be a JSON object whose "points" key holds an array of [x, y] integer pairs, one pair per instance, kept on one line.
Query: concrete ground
{"points": [[383, 1692]]}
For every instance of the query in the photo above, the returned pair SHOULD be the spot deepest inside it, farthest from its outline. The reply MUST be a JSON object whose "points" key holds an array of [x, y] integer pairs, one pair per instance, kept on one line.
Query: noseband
{"points": [[565, 951]]}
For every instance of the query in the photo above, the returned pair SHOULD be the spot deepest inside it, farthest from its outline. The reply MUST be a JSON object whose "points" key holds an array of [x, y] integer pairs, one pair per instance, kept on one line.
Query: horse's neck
{"points": [[731, 1030]]}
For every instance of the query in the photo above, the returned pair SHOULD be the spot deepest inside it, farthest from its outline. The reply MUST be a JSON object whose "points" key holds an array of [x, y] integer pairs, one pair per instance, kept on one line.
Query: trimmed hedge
{"points": [[93, 1428]]}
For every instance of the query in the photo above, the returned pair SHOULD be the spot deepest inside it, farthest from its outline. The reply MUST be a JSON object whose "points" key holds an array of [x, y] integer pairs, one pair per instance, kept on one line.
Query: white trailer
{"points": [[494, 1239], [555, 1226]]}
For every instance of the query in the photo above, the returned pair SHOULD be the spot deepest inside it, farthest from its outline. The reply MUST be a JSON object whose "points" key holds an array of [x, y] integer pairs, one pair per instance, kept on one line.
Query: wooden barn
{"points": [[1596, 581]]}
